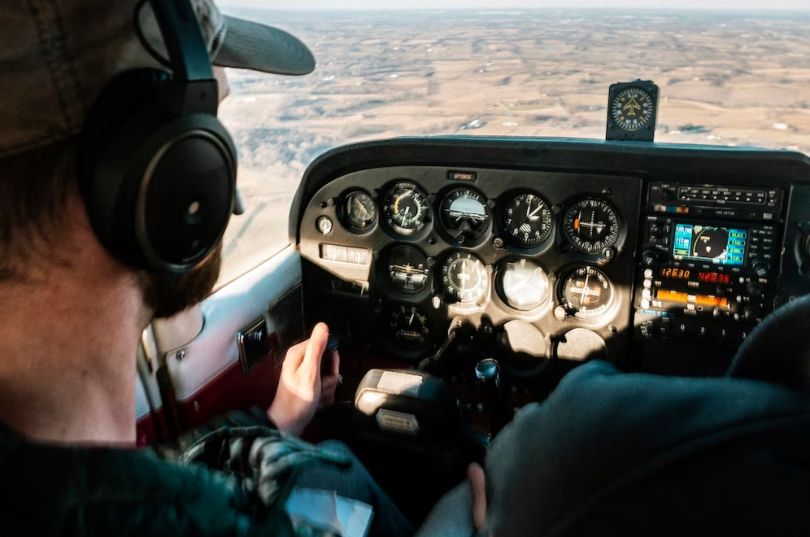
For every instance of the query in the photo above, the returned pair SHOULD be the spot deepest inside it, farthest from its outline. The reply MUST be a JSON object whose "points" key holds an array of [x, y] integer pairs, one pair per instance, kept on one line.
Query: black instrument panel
{"points": [[552, 235], [551, 250]]}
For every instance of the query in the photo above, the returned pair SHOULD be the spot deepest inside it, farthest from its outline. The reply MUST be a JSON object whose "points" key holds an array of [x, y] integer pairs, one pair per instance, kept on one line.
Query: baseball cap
{"points": [[56, 56]]}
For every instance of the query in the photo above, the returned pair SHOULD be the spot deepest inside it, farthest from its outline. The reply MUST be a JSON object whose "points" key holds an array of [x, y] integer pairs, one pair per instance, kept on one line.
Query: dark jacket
{"points": [[628, 454], [224, 485]]}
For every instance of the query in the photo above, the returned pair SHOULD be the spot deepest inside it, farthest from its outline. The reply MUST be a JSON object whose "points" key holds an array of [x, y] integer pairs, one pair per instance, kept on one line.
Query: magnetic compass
{"points": [[632, 111]]}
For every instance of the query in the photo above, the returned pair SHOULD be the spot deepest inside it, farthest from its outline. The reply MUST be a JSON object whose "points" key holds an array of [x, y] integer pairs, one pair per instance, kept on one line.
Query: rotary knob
{"points": [[761, 268], [649, 257]]}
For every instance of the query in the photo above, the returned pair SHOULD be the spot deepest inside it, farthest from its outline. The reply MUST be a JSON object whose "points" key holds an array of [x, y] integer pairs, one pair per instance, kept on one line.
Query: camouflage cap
{"points": [[56, 56]]}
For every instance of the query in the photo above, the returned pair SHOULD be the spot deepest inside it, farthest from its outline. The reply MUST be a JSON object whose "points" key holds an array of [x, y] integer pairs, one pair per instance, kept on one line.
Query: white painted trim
{"points": [[224, 313]]}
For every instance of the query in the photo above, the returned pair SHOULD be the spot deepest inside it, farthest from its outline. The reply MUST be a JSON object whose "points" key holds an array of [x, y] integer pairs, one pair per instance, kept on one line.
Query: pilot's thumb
{"points": [[315, 349]]}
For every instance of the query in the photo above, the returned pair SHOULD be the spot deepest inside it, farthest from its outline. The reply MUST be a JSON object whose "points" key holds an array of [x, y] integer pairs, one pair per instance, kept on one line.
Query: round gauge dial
{"points": [[407, 269], [527, 220], [586, 293], [408, 326], [632, 109], [465, 277], [406, 209], [524, 284], [358, 211], [592, 225], [465, 215]]}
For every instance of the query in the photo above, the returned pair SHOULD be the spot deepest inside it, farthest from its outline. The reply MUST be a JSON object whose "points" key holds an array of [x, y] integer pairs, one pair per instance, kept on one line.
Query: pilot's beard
{"points": [[169, 295]]}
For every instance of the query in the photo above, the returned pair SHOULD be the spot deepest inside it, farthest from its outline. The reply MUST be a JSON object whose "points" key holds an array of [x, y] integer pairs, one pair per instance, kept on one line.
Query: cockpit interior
{"points": [[463, 277]]}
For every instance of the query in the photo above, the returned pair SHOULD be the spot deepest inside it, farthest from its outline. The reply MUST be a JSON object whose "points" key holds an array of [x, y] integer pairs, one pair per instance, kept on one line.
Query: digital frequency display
{"points": [[677, 273], [710, 244]]}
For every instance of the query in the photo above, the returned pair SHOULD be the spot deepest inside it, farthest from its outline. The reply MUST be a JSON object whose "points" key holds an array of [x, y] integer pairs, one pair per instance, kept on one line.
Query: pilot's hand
{"points": [[300, 389], [329, 382], [477, 478]]}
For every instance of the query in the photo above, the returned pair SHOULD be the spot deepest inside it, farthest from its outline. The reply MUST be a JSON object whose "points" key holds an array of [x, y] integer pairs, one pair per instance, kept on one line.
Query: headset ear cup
{"points": [[122, 117], [187, 194], [158, 186]]}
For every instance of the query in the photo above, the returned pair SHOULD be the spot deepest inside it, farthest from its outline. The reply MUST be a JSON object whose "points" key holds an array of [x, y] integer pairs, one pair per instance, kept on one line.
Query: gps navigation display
{"points": [[710, 244]]}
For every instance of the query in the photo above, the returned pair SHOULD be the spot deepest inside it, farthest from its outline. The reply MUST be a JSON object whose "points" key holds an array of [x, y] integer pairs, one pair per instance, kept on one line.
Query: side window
{"points": [[271, 164]]}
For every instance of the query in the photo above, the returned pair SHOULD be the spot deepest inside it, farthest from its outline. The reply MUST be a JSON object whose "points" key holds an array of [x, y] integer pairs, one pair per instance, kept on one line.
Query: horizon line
{"points": [[533, 8]]}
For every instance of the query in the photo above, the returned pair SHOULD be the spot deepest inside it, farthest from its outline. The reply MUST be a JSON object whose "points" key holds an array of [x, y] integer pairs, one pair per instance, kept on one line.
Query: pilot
{"points": [[72, 313], [626, 454]]}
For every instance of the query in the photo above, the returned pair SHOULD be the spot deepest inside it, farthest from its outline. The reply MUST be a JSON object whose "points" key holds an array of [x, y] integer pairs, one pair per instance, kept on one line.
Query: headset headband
{"points": [[196, 90]]}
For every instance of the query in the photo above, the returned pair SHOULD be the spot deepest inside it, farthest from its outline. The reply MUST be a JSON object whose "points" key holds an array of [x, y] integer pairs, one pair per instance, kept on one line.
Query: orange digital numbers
{"points": [[677, 273]]}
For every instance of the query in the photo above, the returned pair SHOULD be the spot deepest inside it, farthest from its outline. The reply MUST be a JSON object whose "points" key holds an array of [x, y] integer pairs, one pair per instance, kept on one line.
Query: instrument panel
{"points": [[402, 252], [661, 257]]}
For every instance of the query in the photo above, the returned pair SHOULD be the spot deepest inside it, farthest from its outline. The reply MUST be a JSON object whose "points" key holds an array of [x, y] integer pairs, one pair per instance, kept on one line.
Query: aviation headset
{"points": [[157, 170]]}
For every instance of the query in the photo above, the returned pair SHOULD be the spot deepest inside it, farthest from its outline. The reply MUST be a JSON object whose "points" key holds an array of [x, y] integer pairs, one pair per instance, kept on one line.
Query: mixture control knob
{"points": [[761, 268], [649, 257], [488, 371]]}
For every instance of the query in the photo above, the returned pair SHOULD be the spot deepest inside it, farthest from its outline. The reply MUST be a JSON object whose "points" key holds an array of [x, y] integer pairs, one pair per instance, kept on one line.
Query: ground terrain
{"points": [[725, 78]]}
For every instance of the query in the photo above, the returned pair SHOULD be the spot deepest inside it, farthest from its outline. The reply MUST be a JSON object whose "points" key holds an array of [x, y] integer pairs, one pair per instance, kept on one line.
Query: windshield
{"points": [[726, 77]]}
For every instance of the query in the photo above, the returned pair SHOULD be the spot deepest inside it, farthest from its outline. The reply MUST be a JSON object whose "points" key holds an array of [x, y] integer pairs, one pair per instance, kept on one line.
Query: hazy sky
{"points": [[495, 4]]}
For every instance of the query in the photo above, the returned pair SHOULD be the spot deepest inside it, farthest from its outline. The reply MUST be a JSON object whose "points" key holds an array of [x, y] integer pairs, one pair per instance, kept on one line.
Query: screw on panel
{"points": [[180, 355]]}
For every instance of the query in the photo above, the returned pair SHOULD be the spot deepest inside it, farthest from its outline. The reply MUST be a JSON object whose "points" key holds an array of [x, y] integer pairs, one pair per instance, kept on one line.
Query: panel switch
{"points": [[254, 344]]}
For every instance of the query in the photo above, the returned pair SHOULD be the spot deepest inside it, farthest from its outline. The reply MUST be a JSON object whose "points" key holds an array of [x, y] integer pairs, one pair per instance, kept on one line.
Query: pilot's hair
{"points": [[34, 188]]}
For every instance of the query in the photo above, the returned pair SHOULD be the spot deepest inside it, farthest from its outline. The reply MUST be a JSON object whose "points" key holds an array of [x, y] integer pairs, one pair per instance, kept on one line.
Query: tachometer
{"points": [[586, 293], [358, 211], [523, 284], [406, 208], [407, 269], [591, 225], [527, 220], [465, 215], [465, 277]]}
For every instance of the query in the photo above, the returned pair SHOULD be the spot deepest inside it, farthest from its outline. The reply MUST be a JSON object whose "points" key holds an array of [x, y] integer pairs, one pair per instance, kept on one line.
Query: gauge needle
{"points": [[413, 314], [360, 206], [405, 213], [521, 283], [532, 216], [586, 289], [463, 277]]}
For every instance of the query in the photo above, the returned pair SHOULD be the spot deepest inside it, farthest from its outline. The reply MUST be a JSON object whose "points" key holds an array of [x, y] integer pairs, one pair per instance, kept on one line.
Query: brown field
{"points": [[725, 78]]}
